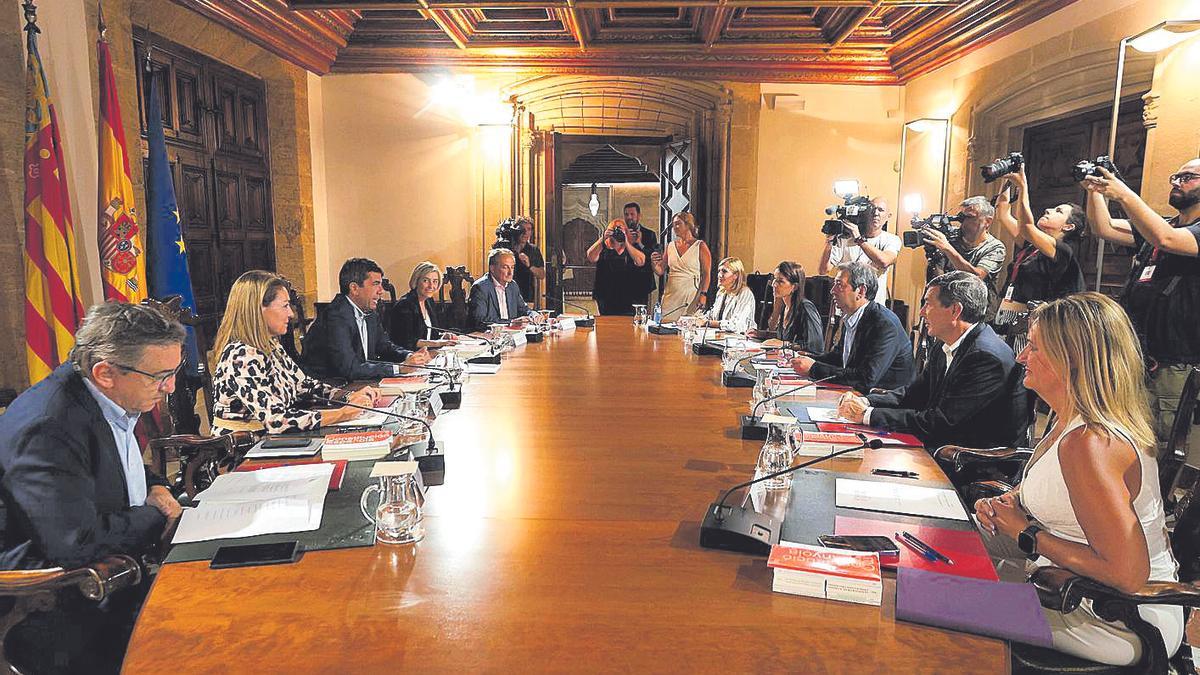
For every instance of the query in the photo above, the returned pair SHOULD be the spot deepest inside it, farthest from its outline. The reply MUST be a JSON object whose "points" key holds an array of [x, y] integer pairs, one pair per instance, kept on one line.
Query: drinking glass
{"points": [[764, 387], [776, 455], [398, 518], [639, 315]]}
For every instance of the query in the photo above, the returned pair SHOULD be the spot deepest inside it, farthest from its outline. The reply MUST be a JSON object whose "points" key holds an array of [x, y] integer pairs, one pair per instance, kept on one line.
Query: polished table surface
{"points": [[565, 538]]}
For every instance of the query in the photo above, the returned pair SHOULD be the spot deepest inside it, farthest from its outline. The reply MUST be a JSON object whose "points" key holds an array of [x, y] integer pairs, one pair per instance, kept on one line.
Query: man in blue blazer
{"points": [[347, 341], [73, 484], [971, 392], [484, 303], [873, 350]]}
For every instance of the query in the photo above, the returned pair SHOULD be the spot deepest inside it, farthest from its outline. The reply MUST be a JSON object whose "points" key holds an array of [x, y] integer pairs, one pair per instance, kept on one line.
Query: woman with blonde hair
{"points": [[1089, 499], [413, 321], [733, 308], [256, 385], [687, 262]]}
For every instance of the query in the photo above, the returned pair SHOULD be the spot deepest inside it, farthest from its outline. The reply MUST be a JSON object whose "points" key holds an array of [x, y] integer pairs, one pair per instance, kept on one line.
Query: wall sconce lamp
{"points": [[1153, 39]]}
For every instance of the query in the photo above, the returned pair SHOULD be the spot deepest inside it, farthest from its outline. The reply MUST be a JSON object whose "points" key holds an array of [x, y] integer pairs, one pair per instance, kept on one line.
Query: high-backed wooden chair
{"points": [[454, 313], [26, 591]]}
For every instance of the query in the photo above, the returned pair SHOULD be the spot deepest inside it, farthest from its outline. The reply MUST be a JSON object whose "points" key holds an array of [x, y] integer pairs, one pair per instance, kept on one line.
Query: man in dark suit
{"points": [[73, 485], [346, 341], [873, 350], [485, 304], [971, 391]]}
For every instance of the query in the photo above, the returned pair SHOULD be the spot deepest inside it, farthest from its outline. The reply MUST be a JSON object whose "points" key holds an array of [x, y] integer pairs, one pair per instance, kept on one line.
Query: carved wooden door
{"points": [[677, 179], [1052, 149]]}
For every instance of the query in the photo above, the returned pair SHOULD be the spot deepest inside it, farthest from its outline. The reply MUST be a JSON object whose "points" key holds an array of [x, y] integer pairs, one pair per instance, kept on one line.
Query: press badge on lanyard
{"points": [[1147, 274]]}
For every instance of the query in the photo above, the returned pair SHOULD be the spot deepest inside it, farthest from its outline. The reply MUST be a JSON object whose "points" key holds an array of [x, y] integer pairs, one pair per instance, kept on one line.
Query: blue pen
{"points": [[916, 548], [931, 551]]}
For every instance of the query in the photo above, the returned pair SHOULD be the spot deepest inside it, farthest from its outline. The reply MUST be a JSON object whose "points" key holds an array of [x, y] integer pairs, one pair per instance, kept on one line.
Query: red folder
{"points": [[888, 437], [964, 547], [335, 480]]}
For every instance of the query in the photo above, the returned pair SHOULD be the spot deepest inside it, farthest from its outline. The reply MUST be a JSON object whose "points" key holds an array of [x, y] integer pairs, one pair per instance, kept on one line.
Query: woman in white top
{"points": [[733, 308], [1089, 500], [688, 262]]}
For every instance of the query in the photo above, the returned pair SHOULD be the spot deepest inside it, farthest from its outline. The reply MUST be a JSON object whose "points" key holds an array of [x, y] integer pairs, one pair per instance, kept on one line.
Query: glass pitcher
{"points": [[764, 387], [639, 315], [398, 517], [410, 431], [776, 455]]}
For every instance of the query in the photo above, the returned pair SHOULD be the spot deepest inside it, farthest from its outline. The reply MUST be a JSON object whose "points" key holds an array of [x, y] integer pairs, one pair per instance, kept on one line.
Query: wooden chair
{"points": [[760, 285], [200, 458], [1171, 460], [454, 313], [25, 591]]}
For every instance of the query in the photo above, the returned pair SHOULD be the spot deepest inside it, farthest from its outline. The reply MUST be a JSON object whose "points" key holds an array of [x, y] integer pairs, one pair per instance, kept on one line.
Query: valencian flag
{"points": [[53, 310], [168, 265], [122, 265]]}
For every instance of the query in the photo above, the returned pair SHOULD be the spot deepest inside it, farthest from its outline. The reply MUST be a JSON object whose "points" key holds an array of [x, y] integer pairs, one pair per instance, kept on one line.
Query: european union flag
{"points": [[167, 261]]}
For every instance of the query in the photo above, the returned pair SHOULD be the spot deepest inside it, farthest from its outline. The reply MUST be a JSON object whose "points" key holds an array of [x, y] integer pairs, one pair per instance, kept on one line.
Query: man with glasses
{"points": [[73, 484], [1162, 295]]}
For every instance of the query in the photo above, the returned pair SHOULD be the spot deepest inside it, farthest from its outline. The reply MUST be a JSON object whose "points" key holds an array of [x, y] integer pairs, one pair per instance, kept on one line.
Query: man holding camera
{"points": [[875, 247], [1162, 295], [974, 250], [620, 282], [646, 241]]}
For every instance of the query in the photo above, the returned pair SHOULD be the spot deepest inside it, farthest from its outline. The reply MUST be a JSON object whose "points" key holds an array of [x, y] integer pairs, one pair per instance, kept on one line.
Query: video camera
{"points": [[941, 222], [508, 234], [858, 210], [1087, 168], [1002, 167]]}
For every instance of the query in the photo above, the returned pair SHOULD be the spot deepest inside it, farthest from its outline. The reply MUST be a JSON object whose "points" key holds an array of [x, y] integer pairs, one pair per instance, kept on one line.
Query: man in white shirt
{"points": [[875, 247]]}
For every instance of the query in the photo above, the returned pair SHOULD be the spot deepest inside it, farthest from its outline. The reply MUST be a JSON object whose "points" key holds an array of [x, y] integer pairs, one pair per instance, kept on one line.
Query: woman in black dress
{"points": [[794, 318], [413, 322]]}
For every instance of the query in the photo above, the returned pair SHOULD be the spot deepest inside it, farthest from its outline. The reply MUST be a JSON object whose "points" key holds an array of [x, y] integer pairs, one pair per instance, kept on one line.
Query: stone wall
{"points": [[12, 150]]}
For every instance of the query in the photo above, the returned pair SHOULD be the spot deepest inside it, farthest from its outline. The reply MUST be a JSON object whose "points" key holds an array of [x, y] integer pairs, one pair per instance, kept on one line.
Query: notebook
{"points": [[996, 609]]}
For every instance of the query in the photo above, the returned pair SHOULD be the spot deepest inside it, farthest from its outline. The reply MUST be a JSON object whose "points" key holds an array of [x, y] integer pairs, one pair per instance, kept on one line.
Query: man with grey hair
{"points": [[73, 484], [971, 391], [495, 298], [873, 350], [974, 250]]}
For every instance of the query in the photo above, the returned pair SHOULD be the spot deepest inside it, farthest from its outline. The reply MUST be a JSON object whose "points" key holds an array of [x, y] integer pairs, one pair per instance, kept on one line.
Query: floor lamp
{"points": [[911, 203], [1153, 39]]}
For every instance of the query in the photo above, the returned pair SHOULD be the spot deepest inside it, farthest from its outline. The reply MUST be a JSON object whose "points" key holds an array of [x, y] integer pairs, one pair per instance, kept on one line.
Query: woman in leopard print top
{"points": [[254, 380]]}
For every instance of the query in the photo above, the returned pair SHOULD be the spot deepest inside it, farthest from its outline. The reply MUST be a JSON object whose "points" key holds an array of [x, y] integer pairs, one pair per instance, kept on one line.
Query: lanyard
{"points": [[1022, 256]]}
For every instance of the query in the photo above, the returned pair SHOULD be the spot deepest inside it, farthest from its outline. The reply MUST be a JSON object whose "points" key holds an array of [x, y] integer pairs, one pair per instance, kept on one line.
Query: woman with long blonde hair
{"points": [[256, 385], [686, 261], [1089, 500]]}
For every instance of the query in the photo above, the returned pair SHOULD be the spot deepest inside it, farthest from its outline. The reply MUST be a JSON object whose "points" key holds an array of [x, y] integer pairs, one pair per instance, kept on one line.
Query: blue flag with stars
{"points": [[167, 263]]}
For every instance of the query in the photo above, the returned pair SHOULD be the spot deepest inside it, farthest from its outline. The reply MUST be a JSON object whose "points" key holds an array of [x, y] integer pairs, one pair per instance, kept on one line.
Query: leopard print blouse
{"points": [[249, 385]]}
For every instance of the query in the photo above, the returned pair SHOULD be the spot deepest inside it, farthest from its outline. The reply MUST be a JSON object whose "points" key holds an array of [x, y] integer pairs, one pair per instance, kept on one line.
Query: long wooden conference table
{"points": [[565, 538]]}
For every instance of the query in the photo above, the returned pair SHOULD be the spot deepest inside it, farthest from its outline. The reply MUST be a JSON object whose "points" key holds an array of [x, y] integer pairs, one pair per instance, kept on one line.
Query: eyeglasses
{"points": [[1182, 177], [160, 379]]}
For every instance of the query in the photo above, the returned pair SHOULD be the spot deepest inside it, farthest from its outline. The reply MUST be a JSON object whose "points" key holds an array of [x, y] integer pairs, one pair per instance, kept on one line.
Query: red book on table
{"points": [[335, 480], [964, 547]]}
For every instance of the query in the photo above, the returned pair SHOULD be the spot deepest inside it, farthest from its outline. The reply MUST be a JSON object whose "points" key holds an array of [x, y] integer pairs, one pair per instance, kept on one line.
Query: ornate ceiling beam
{"points": [[601, 4], [718, 21], [570, 19], [445, 21], [854, 24]]}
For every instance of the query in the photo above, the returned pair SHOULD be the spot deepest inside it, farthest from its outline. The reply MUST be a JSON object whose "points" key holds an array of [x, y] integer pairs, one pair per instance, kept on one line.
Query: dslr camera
{"points": [[1002, 167], [857, 210], [1087, 168], [508, 234], [942, 222]]}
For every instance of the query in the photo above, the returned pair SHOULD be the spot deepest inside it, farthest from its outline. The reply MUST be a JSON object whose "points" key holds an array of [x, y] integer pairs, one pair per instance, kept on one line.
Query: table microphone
{"points": [[494, 358], [749, 531], [589, 321], [731, 377], [431, 461], [752, 428], [451, 399], [659, 329]]}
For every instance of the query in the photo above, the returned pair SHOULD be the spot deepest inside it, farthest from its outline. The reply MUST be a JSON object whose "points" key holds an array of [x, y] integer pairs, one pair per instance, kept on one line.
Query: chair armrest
{"points": [[1061, 589], [960, 457], [984, 489], [95, 581]]}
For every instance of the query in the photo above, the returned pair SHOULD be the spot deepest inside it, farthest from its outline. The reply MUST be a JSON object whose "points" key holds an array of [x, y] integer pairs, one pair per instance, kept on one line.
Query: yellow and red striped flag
{"points": [[52, 306], [122, 263]]}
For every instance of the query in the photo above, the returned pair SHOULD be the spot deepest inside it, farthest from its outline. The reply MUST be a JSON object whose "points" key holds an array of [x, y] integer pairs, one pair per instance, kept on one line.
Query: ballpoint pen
{"points": [[926, 554], [897, 473], [930, 552]]}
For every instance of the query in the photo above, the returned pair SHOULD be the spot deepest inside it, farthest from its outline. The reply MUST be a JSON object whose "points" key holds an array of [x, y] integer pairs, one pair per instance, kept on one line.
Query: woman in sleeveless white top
{"points": [[1097, 476], [687, 265]]}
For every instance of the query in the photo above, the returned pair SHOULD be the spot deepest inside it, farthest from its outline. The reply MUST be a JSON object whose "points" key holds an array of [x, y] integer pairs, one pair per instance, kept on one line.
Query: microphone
{"points": [[748, 531], [659, 329], [589, 321], [494, 358], [752, 428], [451, 399], [732, 378], [430, 462]]}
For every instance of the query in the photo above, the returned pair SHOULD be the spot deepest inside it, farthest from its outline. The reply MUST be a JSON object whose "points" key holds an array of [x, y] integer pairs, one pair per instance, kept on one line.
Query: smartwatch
{"points": [[1027, 541]]}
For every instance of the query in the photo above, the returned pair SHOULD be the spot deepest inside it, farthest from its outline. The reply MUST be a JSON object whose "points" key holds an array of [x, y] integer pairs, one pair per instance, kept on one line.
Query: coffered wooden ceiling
{"points": [[850, 41]]}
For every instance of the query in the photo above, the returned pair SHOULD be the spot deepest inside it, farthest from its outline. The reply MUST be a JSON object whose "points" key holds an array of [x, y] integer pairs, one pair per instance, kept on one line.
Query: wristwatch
{"points": [[1027, 541]]}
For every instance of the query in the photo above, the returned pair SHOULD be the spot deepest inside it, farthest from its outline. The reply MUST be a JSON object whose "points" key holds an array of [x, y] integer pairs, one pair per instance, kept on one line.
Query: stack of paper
{"points": [[821, 443], [889, 497], [285, 499], [403, 384], [819, 572]]}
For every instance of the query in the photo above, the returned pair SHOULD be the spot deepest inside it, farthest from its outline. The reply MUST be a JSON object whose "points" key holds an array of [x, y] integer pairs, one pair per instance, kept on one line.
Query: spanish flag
{"points": [[53, 310], [122, 264]]}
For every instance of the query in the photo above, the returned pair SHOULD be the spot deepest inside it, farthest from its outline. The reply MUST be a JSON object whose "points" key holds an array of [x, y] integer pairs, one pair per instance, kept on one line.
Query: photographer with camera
{"points": [[516, 235], [874, 246], [620, 283], [970, 248], [646, 241], [1162, 295], [1046, 267]]}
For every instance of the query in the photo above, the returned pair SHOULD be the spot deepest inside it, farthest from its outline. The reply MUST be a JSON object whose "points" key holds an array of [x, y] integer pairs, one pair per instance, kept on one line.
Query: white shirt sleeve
{"points": [[739, 312]]}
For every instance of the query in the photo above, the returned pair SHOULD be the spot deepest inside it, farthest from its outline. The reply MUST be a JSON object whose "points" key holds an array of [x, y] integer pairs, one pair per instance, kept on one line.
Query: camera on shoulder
{"points": [[940, 222], [858, 210], [509, 233]]}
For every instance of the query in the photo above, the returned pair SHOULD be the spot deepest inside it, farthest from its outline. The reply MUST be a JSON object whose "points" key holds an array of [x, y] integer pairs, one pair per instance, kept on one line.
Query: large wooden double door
{"points": [[214, 119]]}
